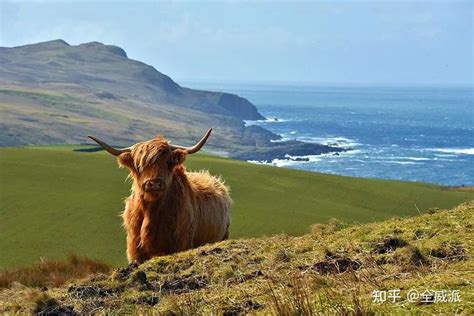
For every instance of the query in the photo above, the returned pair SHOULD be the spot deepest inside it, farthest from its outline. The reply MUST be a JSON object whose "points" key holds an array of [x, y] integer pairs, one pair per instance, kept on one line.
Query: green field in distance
{"points": [[55, 200]]}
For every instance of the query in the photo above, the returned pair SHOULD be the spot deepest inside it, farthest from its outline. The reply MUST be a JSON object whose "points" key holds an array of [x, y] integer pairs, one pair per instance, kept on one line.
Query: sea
{"points": [[405, 133]]}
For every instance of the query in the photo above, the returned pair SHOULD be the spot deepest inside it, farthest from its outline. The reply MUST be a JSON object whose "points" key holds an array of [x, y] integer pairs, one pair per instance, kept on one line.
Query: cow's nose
{"points": [[153, 184]]}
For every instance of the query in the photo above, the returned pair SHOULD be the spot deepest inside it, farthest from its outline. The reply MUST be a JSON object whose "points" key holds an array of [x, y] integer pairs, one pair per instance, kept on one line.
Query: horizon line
{"points": [[184, 81]]}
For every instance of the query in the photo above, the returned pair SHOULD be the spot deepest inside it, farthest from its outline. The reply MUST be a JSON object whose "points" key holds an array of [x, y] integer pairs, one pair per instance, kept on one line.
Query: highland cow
{"points": [[169, 209]]}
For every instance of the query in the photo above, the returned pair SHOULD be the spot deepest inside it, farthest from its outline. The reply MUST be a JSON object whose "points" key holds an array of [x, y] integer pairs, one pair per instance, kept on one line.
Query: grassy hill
{"points": [[55, 200], [332, 270], [77, 90], [55, 93]]}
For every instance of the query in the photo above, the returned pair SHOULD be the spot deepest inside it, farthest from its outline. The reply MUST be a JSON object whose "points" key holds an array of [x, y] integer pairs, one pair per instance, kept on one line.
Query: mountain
{"points": [[53, 92]]}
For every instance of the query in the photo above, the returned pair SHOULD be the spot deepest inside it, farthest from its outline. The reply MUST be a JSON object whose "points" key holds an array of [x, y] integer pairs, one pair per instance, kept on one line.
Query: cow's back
{"points": [[212, 206]]}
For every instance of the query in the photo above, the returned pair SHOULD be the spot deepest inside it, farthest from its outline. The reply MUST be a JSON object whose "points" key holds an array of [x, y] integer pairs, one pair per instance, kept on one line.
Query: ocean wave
{"points": [[406, 158], [276, 162], [290, 160], [297, 160], [268, 120], [335, 141], [418, 158], [457, 151], [286, 163], [307, 158], [445, 155], [399, 162], [404, 162]]}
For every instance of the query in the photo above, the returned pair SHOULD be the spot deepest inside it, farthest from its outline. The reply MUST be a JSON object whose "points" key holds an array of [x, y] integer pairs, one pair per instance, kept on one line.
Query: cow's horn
{"points": [[197, 147], [109, 148]]}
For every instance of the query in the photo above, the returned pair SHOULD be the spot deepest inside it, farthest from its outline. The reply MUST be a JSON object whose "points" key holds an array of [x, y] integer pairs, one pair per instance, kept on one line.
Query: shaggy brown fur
{"points": [[188, 210]]}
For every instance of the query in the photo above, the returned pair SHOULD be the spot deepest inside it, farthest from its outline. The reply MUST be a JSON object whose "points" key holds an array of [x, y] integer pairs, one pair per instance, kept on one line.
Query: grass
{"points": [[335, 269], [54, 273], [56, 102], [55, 201]]}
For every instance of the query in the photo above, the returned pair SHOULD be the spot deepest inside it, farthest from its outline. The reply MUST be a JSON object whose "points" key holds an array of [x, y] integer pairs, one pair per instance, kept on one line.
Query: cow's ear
{"points": [[178, 157], [126, 160]]}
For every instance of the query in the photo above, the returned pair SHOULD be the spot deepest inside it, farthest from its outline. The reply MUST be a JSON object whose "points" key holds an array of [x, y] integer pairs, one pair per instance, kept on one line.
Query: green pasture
{"points": [[55, 200]]}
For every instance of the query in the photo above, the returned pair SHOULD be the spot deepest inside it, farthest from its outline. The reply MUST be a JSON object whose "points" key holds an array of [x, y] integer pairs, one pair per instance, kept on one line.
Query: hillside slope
{"points": [[55, 200], [107, 71], [96, 88], [56, 93], [333, 270]]}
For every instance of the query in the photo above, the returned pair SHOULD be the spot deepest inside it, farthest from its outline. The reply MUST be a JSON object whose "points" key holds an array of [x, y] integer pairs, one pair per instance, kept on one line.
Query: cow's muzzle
{"points": [[152, 185]]}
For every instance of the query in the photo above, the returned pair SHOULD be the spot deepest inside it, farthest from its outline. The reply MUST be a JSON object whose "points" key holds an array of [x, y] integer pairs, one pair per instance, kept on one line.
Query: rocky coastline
{"points": [[287, 150], [267, 146]]}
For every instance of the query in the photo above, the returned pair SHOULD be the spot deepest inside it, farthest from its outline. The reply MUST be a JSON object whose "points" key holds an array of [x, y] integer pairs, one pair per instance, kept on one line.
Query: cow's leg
{"points": [[226, 234], [133, 219]]}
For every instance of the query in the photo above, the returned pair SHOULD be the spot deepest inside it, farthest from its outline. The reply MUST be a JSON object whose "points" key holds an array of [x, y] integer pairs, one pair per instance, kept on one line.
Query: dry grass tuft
{"points": [[292, 298], [53, 273], [46, 305]]}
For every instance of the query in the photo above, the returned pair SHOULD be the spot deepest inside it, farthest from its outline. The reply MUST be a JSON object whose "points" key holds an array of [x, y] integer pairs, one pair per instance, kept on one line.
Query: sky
{"points": [[296, 42]]}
